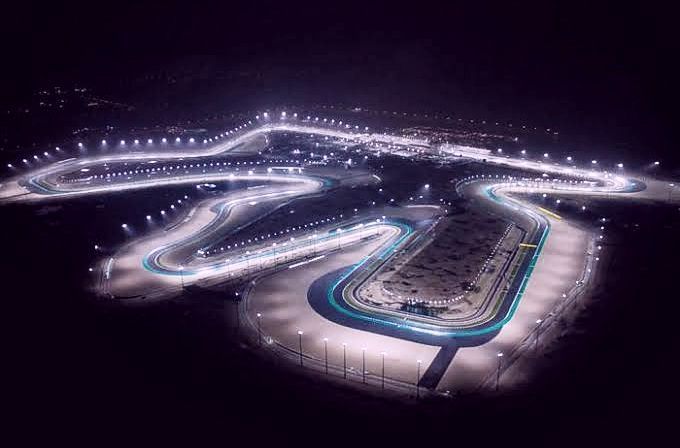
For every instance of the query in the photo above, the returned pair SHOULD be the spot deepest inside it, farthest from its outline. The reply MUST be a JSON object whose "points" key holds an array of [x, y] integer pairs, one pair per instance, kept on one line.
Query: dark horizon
{"points": [[595, 72]]}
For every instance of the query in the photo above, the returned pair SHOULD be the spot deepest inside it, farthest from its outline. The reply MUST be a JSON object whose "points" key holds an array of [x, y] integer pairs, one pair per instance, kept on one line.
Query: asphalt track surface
{"points": [[309, 285]]}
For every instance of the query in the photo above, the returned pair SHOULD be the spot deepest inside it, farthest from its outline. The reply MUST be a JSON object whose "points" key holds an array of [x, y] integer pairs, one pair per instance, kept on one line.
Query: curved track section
{"points": [[166, 261]]}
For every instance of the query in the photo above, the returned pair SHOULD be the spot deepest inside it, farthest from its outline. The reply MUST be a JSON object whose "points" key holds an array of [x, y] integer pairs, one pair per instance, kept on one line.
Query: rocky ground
{"points": [[445, 276]]}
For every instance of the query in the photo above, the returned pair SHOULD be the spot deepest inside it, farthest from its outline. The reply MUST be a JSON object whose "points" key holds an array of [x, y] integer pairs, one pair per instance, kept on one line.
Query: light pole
{"points": [[325, 349], [344, 360], [363, 365], [300, 341], [181, 276], [538, 330], [382, 385], [418, 380], [498, 373], [259, 328]]}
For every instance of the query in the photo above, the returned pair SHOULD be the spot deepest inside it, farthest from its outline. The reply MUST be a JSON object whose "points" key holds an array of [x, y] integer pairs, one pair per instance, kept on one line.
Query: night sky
{"points": [[602, 71]]}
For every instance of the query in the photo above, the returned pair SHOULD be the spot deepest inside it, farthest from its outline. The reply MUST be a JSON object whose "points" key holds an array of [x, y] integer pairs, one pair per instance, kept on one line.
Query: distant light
{"points": [[545, 154], [427, 186], [620, 165], [46, 153], [178, 140], [136, 142], [149, 141], [594, 162], [500, 150], [164, 140], [124, 226], [103, 142], [191, 140], [524, 151], [569, 158], [80, 144], [657, 162], [148, 217], [9, 165], [122, 142]]}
